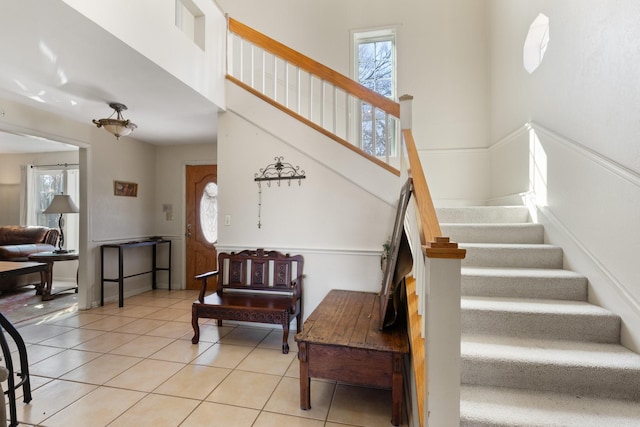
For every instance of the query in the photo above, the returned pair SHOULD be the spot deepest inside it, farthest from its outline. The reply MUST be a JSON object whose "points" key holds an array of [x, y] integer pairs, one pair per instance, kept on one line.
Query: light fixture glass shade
{"points": [[61, 203], [118, 126]]}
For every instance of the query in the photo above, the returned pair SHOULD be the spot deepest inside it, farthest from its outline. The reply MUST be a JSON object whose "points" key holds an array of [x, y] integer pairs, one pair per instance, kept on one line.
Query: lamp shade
{"points": [[60, 204]]}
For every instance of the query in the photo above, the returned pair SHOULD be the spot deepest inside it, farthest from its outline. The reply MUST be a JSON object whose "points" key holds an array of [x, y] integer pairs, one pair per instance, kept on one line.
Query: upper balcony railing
{"points": [[322, 98]]}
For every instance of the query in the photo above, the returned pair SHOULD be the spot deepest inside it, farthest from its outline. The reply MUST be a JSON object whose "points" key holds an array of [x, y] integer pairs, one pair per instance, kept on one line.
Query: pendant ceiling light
{"points": [[118, 126]]}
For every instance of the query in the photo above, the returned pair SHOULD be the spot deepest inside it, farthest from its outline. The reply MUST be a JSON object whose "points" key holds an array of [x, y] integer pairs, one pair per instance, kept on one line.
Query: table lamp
{"points": [[61, 204]]}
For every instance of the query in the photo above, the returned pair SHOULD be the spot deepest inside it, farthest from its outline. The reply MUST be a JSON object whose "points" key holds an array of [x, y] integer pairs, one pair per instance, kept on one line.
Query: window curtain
{"points": [[27, 195], [72, 221]]}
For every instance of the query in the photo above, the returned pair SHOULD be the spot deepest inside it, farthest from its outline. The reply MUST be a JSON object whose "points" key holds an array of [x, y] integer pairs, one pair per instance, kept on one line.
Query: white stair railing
{"points": [[314, 93]]}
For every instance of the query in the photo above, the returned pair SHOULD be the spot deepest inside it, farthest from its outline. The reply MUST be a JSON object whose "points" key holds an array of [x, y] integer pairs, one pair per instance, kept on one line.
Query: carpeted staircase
{"points": [[534, 351]]}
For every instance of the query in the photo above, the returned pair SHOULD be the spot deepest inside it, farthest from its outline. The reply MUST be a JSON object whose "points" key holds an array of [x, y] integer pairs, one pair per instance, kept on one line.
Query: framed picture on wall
{"points": [[121, 188]]}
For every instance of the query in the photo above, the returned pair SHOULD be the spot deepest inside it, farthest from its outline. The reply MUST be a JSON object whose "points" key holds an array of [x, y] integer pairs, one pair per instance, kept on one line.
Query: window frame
{"points": [[69, 184], [370, 35]]}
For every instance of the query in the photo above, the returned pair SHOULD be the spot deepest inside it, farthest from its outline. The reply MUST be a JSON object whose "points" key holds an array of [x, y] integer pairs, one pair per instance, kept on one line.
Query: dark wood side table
{"points": [[341, 341], [49, 258]]}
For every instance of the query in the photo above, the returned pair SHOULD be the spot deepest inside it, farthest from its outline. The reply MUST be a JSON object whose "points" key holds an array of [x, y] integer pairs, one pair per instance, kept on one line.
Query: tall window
{"points": [[49, 182], [375, 68]]}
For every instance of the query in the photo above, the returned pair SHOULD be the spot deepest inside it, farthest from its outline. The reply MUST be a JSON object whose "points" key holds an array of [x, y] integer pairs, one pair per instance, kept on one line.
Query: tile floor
{"points": [[136, 366]]}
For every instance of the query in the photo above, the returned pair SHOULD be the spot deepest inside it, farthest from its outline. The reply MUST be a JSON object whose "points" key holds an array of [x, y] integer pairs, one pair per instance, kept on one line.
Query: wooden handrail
{"points": [[435, 246], [325, 73], [309, 123], [426, 209]]}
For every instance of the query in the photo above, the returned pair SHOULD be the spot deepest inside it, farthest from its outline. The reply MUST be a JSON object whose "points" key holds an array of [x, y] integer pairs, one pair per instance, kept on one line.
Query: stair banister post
{"points": [[443, 262], [406, 102]]}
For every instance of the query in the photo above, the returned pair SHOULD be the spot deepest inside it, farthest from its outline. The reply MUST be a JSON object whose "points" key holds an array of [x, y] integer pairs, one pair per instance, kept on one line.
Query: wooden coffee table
{"points": [[341, 341], [49, 258], [12, 268]]}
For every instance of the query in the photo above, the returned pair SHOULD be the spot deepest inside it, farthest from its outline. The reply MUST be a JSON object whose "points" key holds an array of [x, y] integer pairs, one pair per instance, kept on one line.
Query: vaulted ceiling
{"points": [[53, 58]]}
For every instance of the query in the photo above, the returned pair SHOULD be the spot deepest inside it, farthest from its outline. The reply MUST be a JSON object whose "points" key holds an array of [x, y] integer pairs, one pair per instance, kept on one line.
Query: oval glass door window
{"points": [[209, 212]]}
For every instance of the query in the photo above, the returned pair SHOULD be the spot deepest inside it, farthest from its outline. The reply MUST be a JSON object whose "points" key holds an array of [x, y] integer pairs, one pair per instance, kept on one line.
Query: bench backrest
{"points": [[259, 270]]}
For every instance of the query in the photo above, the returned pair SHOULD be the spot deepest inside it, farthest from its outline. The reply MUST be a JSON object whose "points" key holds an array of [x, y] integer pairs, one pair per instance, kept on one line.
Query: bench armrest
{"points": [[204, 277], [296, 288], [296, 296]]}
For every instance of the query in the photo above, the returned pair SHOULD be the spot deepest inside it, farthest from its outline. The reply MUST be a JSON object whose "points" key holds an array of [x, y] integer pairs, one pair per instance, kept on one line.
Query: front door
{"points": [[202, 222]]}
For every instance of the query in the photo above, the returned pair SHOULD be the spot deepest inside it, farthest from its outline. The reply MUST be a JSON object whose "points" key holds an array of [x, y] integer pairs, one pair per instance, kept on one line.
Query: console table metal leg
{"points": [[101, 276], [153, 266], [169, 266], [120, 277]]}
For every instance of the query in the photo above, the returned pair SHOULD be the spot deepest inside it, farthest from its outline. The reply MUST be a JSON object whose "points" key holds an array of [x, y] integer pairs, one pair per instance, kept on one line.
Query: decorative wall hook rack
{"points": [[277, 171]]}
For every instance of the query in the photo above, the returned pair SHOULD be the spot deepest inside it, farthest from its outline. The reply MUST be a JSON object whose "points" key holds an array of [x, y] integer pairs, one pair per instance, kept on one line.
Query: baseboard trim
{"points": [[545, 216]]}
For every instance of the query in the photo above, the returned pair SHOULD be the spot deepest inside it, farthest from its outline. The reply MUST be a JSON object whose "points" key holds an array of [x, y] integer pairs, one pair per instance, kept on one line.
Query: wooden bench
{"points": [[342, 341], [253, 286]]}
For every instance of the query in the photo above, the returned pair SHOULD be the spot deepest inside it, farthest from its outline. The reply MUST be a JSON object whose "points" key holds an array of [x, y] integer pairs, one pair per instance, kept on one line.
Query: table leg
{"points": [[305, 381], [43, 282], [120, 276], [48, 274], [397, 390]]}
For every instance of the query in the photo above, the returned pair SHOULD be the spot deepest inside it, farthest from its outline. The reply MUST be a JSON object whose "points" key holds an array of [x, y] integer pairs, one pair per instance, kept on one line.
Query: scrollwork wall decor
{"points": [[278, 171]]}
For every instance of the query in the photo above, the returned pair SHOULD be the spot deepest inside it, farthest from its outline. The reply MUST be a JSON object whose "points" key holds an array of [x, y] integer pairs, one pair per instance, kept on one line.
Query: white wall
{"points": [[584, 88], [582, 101], [442, 62], [10, 212], [119, 218], [337, 226]]}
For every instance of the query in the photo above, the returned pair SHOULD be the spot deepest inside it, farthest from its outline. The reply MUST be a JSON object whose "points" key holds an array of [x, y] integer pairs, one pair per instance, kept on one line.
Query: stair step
{"points": [[483, 214], [512, 255], [534, 351], [579, 368], [494, 406], [524, 283], [494, 233], [537, 318]]}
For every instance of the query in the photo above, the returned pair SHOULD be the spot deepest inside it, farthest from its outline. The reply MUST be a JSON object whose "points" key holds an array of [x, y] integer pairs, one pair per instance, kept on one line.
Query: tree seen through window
{"points": [[375, 70]]}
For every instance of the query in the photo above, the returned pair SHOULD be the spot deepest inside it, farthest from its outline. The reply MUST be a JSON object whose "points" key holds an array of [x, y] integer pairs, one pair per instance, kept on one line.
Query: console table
{"points": [[120, 247], [341, 341]]}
